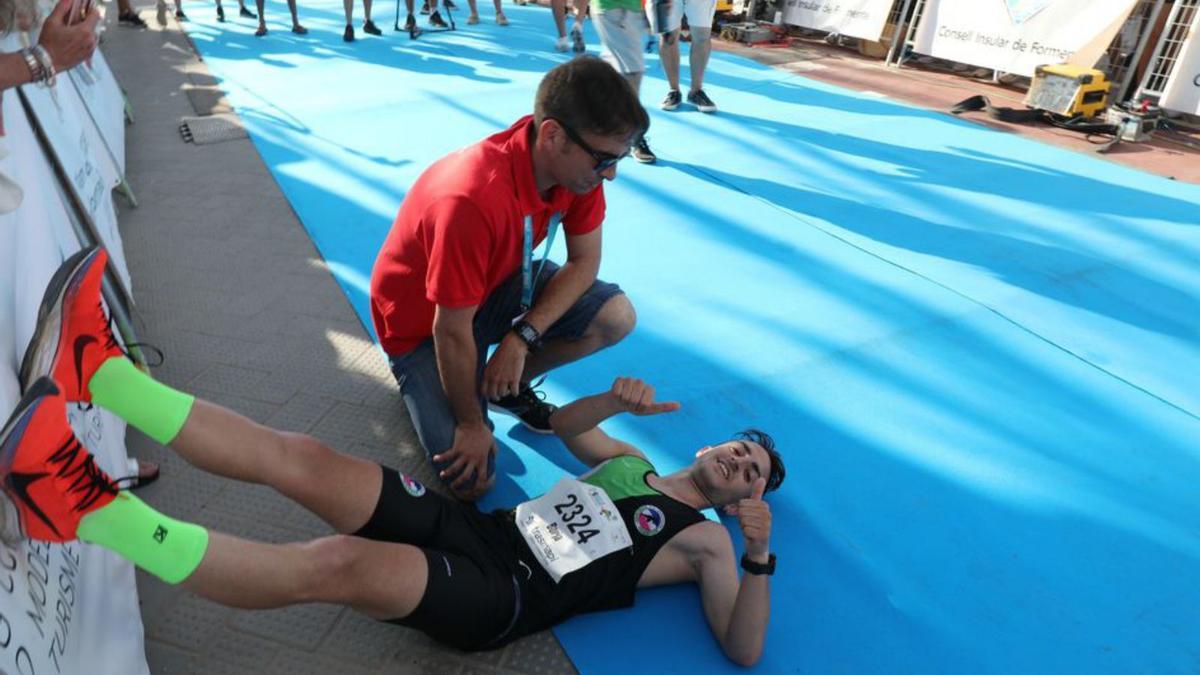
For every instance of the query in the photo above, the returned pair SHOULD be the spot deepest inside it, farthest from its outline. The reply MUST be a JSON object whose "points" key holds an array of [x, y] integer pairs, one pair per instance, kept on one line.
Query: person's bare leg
{"points": [[295, 18], [612, 323], [558, 8], [262, 17], [381, 579], [340, 489], [473, 18], [348, 10], [581, 9], [701, 48], [123, 6], [366, 11], [668, 54]]}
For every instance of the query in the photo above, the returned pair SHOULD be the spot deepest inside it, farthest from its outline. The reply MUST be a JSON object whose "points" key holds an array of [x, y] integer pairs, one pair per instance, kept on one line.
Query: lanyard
{"points": [[527, 258]]}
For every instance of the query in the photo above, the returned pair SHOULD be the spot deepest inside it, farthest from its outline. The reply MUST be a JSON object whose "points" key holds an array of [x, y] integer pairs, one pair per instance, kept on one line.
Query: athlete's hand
{"points": [[632, 395], [468, 460], [66, 39], [754, 517], [502, 376]]}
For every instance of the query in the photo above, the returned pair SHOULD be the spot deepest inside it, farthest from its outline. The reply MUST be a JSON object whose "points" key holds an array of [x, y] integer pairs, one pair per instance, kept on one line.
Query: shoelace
{"points": [[87, 477]]}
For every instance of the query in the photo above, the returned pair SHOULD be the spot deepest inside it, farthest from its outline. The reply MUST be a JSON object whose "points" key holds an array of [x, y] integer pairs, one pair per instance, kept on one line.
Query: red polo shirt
{"points": [[460, 232]]}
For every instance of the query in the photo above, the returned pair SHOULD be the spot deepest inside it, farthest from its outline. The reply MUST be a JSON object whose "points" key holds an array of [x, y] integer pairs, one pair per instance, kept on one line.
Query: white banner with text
{"points": [[857, 18], [64, 608], [1016, 36]]}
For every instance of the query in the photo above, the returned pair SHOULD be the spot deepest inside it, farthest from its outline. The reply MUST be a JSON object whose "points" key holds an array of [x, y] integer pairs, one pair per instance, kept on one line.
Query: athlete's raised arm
{"points": [[576, 423]]}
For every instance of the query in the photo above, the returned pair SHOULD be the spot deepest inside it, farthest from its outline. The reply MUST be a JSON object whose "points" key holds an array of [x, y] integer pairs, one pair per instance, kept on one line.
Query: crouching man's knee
{"points": [[614, 321]]}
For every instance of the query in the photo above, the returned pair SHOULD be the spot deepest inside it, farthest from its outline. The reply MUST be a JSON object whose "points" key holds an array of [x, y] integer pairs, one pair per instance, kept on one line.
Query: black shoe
{"points": [[410, 24], [370, 28], [449, 4], [247, 14], [577, 44], [642, 152], [425, 7], [299, 30], [702, 102], [530, 407], [436, 20], [221, 15], [180, 16], [131, 19], [672, 101], [348, 34]]}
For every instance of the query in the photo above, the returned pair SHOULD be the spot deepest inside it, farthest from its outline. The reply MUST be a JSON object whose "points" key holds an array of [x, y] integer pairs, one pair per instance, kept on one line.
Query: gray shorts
{"points": [[417, 370], [623, 34]]}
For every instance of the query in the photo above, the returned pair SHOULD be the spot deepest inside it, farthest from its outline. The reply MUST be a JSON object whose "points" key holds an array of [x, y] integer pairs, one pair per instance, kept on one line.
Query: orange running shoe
{"points": [[48, 475], [73, 336]]}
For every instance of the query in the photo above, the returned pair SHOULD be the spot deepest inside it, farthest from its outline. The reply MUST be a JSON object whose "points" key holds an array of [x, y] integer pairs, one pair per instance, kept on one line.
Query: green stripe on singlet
{"points": [[622, 477]]}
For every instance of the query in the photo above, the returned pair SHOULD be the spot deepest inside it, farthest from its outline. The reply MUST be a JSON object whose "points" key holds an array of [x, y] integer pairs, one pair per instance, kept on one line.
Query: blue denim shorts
{"points": [[417, 370]]}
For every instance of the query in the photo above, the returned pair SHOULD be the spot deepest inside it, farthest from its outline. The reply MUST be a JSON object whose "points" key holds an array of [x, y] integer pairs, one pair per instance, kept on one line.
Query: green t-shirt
{"points": [[631, 5]]}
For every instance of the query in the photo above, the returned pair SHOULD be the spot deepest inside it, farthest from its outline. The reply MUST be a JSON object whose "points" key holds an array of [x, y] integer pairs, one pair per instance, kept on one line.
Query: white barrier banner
{"points": [[80, 149], [64, 608], [1182, 92], [101, 95], [1016, 36], [857, 18]]}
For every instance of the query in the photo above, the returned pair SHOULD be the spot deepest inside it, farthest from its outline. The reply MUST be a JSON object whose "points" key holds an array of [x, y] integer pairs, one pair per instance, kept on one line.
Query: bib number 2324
{"points": [[570, 526]]}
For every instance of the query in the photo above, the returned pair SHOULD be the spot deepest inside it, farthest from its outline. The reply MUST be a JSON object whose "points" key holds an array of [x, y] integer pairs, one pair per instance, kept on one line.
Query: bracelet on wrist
{"points": [[47, 64], [36, 72]]}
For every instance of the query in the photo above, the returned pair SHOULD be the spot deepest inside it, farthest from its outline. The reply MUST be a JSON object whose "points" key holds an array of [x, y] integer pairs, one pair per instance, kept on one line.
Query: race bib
{"points": [[570, 526]]}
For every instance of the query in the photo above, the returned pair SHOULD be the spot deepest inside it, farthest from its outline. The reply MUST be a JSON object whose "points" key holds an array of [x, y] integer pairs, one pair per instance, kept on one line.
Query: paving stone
{"points": [[300, 626]]}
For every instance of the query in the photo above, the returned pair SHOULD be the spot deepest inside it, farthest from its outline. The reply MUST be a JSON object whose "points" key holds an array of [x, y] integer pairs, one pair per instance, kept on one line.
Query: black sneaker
{"points": [[370, 28], [530, 407], [410, 24], [672, 101], [131, 19], [642, 152], [247, 14], [577, 44], [436, 20], [425, 7], [221, 15], [449, 5], [348, 34], [702, 102], [180, 16]]}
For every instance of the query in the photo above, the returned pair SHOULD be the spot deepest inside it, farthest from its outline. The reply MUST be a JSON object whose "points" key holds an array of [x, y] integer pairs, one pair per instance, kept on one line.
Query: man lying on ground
{"points": [[403, 554]]}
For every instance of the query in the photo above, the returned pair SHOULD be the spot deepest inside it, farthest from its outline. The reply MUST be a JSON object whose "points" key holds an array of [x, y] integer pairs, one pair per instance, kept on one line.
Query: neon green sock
{"points": [[167, 548], [152, 407]]}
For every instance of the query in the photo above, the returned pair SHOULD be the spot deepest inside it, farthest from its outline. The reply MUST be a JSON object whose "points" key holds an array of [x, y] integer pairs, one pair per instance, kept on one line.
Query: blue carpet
{"points": [[978, 353]]}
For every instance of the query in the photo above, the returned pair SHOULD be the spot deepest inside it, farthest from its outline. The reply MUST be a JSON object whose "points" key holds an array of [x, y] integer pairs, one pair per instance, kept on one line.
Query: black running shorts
{"points": [[471, 600]]}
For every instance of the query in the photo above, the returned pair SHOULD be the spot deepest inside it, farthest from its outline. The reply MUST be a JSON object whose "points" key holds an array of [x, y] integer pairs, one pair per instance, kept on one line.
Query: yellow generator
{"points": [[1070, 91]]}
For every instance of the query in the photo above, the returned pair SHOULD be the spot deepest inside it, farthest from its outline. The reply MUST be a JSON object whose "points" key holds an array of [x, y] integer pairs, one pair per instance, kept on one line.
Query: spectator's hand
{"points": [[632, 395], [754, 517], [502, 376], [69, 44], [469, 457]]}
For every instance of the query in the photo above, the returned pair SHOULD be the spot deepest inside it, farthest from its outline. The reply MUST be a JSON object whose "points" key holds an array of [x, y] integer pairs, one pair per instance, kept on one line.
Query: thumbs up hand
{"points": [[754, 517]]}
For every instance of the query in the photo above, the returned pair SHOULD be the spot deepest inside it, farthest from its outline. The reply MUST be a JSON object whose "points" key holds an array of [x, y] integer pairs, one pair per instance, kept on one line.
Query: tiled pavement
{"points": [[230, 287]]}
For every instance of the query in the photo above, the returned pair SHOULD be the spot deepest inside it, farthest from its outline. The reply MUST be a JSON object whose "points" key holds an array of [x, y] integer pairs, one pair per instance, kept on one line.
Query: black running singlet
{"points": [[609, 582]]}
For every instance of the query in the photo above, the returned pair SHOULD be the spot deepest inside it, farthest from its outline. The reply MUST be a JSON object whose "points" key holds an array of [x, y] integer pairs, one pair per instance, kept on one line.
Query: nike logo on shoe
{"points": [[81, 344], [18, 486]]}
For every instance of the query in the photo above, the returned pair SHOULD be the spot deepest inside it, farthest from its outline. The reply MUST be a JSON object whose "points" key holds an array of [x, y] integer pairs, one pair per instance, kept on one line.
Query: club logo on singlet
{"points": [[411, 484], [649, 520]]}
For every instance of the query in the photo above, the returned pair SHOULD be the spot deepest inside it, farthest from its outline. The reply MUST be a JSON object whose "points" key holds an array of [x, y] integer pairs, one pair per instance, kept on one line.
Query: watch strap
{"points": [[767, 568]]}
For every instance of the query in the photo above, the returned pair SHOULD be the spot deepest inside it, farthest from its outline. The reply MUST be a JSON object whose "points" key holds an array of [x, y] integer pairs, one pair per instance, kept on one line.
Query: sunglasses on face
{"points": [[604, 160]]}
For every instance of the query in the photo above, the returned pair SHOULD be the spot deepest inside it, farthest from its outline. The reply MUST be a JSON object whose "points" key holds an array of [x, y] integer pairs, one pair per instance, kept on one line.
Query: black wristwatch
{"points": [[528, 334], [767, 568]]}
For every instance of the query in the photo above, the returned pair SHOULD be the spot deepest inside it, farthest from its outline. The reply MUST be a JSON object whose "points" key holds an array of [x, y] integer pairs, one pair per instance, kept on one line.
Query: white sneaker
{"points": [[561, 45]]}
